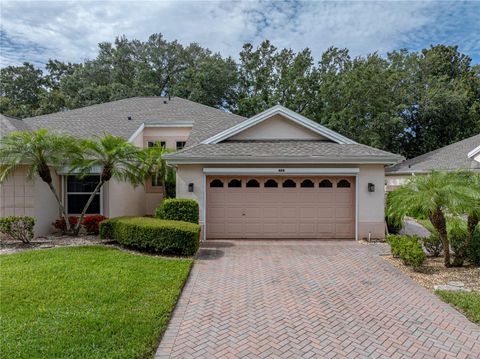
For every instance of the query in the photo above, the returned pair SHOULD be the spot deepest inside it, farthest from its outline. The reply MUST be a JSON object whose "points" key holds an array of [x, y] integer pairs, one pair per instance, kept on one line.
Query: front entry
{"points": [[274, 207]]}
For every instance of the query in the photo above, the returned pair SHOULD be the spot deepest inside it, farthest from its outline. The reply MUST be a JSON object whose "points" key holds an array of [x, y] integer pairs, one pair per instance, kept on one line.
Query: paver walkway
{"points": [[310, 299]]}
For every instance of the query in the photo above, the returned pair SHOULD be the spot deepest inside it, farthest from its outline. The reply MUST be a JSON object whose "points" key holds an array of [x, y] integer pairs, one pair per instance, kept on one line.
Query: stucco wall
{"points": [[169, 135], [370, 205], [277, 128], [122, 199], [21, 197]]}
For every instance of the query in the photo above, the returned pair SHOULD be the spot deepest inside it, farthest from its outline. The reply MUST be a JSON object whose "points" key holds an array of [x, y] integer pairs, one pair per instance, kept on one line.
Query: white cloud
{"points": [[70, 30]]}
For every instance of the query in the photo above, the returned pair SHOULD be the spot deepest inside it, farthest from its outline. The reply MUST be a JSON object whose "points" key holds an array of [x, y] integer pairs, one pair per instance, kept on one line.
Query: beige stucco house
{"points": [[461, 155], [274, 175]]}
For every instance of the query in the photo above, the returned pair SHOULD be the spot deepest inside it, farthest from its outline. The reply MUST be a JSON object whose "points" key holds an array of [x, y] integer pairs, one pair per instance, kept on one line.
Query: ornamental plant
{"points": [[18, 228], [92, 223]]}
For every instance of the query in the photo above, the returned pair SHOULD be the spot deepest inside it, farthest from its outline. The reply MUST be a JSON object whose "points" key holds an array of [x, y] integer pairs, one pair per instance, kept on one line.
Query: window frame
{"points": [[236, 180], [289, 181], [252, 179], [151, 144], [325, 180], [216, 179], [268, 180], [66, 193], [181, 148], [344, 180], [308, 180]]}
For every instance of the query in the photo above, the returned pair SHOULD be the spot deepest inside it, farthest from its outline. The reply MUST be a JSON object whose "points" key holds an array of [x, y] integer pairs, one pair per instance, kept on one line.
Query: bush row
{"points": [[18, 228], [155, 235], [408, 249]]}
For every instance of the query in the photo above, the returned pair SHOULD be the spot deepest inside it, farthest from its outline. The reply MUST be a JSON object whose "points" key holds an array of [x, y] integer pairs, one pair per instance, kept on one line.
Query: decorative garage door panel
{"points": [[280, 207]]}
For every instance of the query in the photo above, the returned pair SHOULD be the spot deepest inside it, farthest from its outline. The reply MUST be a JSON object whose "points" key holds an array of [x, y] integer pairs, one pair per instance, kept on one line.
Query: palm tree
{"points": [[117, 159], [433, 195], [39, 151], [154, 166]]}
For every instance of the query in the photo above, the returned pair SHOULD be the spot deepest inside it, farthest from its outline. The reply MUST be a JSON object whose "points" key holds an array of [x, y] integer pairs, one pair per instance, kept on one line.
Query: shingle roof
{"points": [[281, 149], [449, 158], [9, 124], [112, 117]]}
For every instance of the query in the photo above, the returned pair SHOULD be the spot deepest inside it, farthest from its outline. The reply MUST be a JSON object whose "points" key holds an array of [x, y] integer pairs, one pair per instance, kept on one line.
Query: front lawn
{"points": [[86, 302], [466, 302]]}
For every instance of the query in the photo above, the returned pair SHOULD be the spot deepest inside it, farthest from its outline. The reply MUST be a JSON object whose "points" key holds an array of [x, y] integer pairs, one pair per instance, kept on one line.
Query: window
{"points": [[235, 183], [155, 143], [289, 183], [216, 183], [343, 184], [78, 193], [271, 184], [325, 184], [180, 145], [253, 183], [307, 184]]}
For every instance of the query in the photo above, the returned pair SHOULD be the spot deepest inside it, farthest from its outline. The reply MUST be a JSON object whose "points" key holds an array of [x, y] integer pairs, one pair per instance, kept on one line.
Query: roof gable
{"points": [[282, 112]]}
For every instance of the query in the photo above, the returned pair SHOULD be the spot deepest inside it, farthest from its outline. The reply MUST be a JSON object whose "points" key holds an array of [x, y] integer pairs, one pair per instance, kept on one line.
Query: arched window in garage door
{"points": [[235, 183], [216, 183], [253, 183], [289, 183], [271, 183], [343, 184], [306, 183], [325, 184]]}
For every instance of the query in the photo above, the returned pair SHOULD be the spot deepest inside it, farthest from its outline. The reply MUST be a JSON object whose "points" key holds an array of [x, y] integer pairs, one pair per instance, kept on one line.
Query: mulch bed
{"points": [[9, 246], [434, 272]]}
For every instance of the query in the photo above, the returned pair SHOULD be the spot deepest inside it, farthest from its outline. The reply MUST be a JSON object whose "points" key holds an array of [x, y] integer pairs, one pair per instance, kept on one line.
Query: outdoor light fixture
{"points": [[190, 187], [371, 187]]}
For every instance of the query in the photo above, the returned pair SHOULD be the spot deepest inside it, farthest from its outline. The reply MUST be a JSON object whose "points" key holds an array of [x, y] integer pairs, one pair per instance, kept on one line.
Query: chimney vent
{"points": [[129, 118]]}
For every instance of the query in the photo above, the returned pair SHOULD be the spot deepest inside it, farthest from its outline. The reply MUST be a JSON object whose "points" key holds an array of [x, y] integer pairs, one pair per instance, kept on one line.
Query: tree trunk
{"points": [[90, 199], [61, 206], [437, 219], [472, 222]]}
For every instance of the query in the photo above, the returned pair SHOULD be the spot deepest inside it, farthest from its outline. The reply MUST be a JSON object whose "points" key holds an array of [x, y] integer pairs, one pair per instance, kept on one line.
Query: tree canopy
{"points": [[405, 102]]}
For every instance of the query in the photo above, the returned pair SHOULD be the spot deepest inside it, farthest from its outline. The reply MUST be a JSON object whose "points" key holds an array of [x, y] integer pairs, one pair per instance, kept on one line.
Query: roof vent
{"points": [[129, 118], [164, 101]]}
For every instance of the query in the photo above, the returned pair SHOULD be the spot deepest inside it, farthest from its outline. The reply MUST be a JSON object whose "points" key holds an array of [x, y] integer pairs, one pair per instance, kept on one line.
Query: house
{"points": [[461, 155], [274, 175]]}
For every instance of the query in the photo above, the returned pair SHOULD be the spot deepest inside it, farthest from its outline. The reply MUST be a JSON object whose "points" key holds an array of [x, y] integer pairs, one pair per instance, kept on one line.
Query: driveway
{"points": [[310, 299]]}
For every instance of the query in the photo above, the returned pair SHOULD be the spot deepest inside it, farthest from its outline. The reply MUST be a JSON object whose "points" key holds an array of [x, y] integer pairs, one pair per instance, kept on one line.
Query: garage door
{"points": [[280, 207]]}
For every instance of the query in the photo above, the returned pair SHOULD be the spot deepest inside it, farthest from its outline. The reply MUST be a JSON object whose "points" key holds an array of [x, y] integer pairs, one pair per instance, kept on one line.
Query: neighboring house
{"points": [[461, 155], [275, 175]]}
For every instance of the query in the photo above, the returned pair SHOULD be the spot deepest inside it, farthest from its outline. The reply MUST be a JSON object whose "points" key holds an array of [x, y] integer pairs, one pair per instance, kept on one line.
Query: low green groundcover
{"points": [[466, 302], [86, 302]]}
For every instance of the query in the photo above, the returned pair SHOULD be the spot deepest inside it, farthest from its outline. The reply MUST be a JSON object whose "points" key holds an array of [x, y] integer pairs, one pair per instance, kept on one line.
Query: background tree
{"points": [[40, 152], [117, 159]]}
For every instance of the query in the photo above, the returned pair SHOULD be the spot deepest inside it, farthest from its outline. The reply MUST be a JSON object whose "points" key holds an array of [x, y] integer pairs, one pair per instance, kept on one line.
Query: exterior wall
{"points": [[277, 128], [169, 135], [371, 208], [122, 199], [394, 181], [21, 197]]}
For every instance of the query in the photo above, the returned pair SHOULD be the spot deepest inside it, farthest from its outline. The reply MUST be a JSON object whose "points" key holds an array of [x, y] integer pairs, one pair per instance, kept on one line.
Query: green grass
{"points": [[467, 302], [86, 302]]}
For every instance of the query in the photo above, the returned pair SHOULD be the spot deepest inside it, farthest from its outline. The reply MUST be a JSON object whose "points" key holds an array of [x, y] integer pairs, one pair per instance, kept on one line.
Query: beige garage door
{"points": [[280, 207]]}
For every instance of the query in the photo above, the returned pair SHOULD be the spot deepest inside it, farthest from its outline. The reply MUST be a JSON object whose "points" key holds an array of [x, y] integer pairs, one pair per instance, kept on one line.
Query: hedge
{"points": [[178, 209], [155, 235]]}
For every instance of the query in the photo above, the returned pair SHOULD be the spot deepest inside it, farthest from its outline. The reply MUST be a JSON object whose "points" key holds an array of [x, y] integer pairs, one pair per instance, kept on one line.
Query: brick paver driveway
{"points": [[310, 299]]}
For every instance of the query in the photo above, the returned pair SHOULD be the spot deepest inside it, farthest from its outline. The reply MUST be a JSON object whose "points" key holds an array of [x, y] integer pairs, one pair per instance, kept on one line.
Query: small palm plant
{"points": [[154, 166], [39, 151], [471, 181], [117, 159], [433, 195]]}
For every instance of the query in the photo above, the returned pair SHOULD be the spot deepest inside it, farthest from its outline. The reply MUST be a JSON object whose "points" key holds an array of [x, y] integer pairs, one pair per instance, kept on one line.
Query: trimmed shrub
{"points": [[61, 225], [155, 235], [394, 242], [474, 250], [178, 209], [18, 228], [458, 234], [412, 252], [91, 223], [408, 249], [433, 245]]}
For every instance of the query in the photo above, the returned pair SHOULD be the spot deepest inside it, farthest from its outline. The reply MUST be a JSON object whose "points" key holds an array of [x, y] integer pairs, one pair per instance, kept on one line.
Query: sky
{"points": [[70, 31]]}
